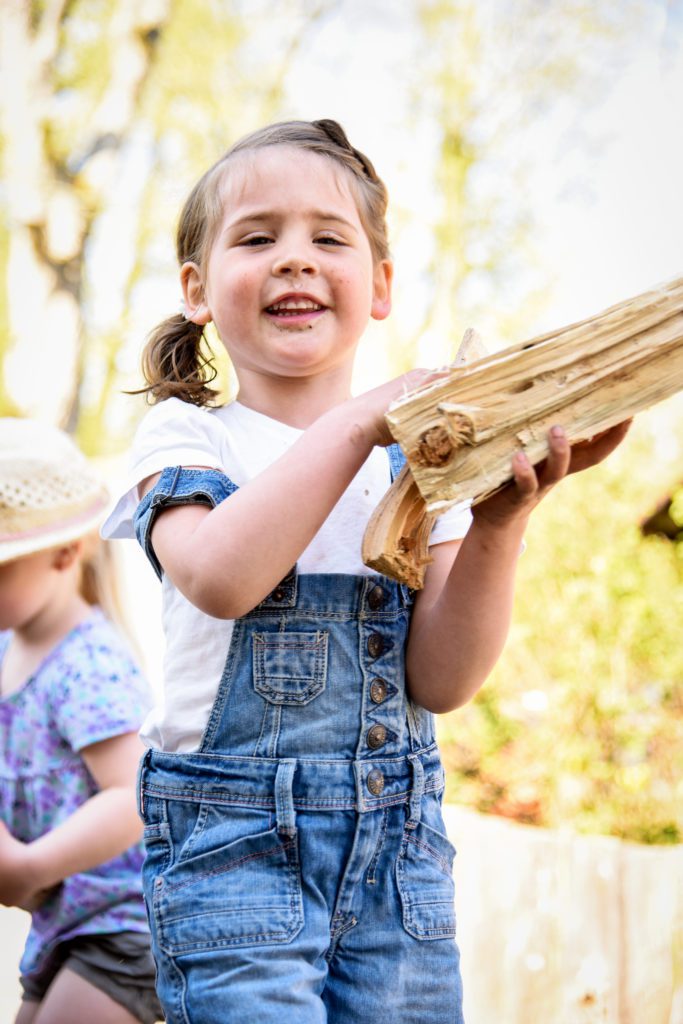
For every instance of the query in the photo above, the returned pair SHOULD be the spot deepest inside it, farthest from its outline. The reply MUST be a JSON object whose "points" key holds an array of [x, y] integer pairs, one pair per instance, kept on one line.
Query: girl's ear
{"points": [[196, 308], [381, 290], [65, 556]]}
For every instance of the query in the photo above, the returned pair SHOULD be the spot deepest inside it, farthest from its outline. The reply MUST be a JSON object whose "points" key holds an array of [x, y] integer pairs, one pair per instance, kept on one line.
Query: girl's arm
{"points": [[461, 618], [101, 828], [227, 559]]}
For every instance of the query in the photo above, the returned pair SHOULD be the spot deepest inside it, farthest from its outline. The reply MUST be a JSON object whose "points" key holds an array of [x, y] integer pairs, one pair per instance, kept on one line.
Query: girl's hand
{"points": [[371, 406], [529, 486], [585, 454], [17, 888]]}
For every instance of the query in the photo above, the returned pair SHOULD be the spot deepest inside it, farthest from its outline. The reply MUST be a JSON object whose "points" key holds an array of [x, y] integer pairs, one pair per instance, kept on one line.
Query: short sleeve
{"points": [[177, 486], [97, 691], [173, 433], [453, 524]]}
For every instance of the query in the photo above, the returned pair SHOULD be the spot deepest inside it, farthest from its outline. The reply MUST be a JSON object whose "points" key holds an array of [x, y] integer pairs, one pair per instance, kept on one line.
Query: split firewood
{"points": [[396, 540], [459, 433]]}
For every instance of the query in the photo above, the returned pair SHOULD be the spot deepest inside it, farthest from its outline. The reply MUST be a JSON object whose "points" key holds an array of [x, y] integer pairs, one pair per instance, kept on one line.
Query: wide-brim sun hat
{"points": [[49, 495]]}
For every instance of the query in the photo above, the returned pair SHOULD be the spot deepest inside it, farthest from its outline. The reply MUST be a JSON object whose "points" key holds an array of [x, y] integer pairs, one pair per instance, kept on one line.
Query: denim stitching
{"points": [[370, 877], [190, 795], [432, 852], [226, 869]]}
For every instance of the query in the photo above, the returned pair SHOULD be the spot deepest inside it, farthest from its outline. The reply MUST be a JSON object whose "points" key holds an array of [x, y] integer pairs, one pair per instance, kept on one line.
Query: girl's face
{"points": [[25, 587], [38, 584], [290, 281]]}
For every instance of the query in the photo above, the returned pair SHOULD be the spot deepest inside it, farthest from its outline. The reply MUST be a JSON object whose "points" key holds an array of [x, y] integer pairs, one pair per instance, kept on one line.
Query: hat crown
{"points": [[48, 492]]}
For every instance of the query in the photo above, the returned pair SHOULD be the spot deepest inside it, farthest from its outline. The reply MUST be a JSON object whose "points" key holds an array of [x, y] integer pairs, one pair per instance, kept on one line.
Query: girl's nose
{"points": [[293, 265]]}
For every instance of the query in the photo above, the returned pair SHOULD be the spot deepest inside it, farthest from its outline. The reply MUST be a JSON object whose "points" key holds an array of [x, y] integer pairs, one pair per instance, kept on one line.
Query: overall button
{"points": [[378, 690], [375, 645], [376, 598], [375, 781], [278, 594], [377, 736]]}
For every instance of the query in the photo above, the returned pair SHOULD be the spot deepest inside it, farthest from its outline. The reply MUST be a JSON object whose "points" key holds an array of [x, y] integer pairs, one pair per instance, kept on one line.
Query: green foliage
{"points": [[581, 722]]}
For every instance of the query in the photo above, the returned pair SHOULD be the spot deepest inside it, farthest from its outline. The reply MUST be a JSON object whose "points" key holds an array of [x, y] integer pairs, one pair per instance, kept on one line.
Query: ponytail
{"points": [[176, 364]]}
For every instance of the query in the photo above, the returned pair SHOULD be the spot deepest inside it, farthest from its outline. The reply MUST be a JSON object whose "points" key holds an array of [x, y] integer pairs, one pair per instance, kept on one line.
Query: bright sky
{"points": [[606, 171]]}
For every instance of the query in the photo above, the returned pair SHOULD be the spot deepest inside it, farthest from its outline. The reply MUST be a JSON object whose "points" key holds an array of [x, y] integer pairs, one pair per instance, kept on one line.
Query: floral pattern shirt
{"points": [[87, 689]]}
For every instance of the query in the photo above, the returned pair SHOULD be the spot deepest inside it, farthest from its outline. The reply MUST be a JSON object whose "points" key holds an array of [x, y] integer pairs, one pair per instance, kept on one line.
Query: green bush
{"points": [[581, 722]]}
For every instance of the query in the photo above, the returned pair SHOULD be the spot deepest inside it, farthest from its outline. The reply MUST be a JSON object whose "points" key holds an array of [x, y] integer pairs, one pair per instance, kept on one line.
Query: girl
{"points": [[71, 701], [297, 865]]}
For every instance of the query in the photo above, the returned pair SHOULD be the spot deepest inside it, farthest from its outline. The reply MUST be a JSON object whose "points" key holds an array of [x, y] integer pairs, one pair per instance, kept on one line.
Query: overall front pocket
{"points": [[425, 883], [290, 668], [235, 892]]}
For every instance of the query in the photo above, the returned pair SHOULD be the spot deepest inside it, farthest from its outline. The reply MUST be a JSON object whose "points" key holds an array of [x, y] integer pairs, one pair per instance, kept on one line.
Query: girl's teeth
{"points": [[295, 307]]}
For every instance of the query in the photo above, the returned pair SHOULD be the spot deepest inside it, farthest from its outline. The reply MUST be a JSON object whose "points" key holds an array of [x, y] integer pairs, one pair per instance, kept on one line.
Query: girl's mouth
{"points": [[294, 308]]}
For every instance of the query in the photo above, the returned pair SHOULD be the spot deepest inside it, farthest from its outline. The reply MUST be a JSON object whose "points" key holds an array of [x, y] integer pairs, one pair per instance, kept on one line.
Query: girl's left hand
{"points": [[530, 485], [16, 886]]}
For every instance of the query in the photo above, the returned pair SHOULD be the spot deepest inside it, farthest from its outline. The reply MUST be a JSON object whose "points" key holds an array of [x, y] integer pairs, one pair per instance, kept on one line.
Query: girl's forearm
{"points": [[98, 830], [456, 639], [260, 532]]}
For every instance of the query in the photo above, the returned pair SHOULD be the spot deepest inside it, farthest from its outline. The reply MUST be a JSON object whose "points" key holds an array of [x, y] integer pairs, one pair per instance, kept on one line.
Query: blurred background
{"points": [[534, 158]]}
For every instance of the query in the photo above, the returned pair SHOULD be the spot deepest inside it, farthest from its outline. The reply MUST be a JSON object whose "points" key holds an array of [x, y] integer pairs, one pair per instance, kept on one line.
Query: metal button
{"points": [[376, 598], [378, 690], [377, 736], [375, 781], [375, 645], [278, 594]]}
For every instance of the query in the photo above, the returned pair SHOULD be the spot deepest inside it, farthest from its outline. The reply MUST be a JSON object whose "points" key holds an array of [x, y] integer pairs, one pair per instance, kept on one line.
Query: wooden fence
{"points": [[556, 928]]}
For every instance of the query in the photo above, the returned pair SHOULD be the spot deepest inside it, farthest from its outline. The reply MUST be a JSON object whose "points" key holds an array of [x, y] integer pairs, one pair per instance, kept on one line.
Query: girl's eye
{"points": [[257, 240], [329, 240]]}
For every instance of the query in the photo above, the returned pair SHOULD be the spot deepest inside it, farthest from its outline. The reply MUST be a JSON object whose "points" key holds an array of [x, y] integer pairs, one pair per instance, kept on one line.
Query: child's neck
{"points": [[298, 402]]}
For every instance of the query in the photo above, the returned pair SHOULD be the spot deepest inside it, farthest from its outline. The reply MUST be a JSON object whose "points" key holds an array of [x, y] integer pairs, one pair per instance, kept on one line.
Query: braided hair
{"points": [[174, 361]]}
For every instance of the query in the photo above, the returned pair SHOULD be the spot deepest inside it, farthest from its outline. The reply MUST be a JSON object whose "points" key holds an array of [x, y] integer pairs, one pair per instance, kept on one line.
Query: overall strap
{"points": [[416, 792], [284, 800], [396, 460]]}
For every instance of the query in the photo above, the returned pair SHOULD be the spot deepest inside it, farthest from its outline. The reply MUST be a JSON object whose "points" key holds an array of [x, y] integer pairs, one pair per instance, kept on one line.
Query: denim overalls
{"points": [[297, 868]]}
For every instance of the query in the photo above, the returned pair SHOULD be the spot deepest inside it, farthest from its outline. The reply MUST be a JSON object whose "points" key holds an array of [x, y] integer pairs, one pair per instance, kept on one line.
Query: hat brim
{"points": [[54, 537]]}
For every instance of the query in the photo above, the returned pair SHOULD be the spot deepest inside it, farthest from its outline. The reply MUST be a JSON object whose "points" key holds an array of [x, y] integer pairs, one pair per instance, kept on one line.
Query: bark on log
{"points": [[459, 434]]}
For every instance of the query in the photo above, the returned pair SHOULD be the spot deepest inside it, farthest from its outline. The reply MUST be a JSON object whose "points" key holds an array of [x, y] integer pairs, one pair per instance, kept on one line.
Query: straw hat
{"points": [[48, 493]]}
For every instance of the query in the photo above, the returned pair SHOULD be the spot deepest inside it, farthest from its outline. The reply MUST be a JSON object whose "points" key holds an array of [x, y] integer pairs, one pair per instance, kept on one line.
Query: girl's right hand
{"points": [[372, 405]]}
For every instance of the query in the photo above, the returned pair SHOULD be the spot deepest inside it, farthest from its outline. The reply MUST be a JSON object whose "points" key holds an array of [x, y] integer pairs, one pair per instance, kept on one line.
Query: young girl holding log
{"points": [[297, 864], [71, 703]]}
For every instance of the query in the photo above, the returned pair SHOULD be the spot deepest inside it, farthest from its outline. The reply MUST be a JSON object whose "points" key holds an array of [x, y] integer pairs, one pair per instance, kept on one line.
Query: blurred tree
{"points": [[501, 80], [105, 105], [581, 719]]}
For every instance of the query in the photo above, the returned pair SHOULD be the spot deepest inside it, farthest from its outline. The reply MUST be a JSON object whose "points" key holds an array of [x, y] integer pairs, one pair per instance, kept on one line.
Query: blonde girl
{"points": [[297, 864], [71, 702]]}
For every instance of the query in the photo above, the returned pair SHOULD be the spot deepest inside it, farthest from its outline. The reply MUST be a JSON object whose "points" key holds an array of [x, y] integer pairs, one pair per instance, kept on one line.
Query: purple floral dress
{"points": [[88, 689]]}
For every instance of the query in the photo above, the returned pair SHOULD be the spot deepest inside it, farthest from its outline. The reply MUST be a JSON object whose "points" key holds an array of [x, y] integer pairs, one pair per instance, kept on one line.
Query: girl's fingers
{"points": [[589, 453], [530, 480], [559, 456], [524, 474]]}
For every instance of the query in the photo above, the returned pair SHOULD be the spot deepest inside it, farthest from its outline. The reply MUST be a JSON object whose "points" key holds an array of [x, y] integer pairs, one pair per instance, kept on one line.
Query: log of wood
{"points": [[396, 540], [459, 433]]}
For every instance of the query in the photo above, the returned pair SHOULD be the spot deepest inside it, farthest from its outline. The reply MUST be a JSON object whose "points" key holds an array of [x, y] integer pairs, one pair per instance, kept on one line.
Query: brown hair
{"points": [[174, 360]]}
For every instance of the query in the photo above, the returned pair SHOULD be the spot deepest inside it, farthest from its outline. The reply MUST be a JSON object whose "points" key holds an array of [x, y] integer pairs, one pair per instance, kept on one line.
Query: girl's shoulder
{"points": [[93, 685], [172, 433], [95, 648], [175, 424]]}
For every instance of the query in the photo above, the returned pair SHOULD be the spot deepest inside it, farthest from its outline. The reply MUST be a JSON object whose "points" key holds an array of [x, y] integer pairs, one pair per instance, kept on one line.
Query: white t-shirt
{"points": [[241, 443]]}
